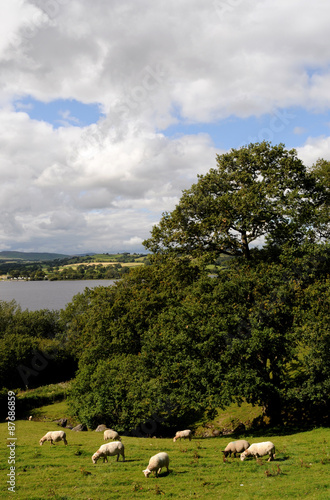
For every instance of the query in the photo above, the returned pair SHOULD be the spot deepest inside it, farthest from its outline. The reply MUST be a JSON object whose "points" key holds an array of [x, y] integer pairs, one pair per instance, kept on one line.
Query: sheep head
{"points": [[95, 457], [146, 472]]}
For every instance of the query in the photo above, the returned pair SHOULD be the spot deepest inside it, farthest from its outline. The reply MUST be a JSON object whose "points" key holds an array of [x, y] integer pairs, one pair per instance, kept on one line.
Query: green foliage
{"points": [[115, 328], [201, 341], [310, 392], [113, 392], [321, 173], [256, 191], [88, 272], [32, 353]]}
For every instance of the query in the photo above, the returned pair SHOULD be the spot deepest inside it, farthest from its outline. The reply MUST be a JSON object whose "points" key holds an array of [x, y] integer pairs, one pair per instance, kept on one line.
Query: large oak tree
{"points": [[257, 193]]}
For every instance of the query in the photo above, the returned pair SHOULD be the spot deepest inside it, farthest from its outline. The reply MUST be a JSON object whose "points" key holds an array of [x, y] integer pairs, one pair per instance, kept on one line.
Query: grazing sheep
{"points": [[235, 447], [260, 450], [156, 463], [110, 434], [109, 450], [53, 437], [183, 434], [30, 417]]}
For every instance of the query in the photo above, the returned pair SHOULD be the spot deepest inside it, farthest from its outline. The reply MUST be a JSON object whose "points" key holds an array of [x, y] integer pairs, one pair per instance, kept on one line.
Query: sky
{"points": [[109, 109]]}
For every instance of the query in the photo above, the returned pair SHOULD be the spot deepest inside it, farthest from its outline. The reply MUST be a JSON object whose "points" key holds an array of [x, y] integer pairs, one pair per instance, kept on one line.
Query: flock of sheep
{"points": [[157, 462]]}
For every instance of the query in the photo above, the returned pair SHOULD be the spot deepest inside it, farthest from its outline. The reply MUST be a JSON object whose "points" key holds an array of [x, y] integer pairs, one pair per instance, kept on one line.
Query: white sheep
{"points": [[236, 447], [156, 463], [260, 450], [111, 434], [183, 434], [109, 450], [54, 437]]}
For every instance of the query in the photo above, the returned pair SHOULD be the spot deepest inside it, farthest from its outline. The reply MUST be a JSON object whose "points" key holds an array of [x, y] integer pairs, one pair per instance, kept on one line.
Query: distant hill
{"points": [[30, 256]]}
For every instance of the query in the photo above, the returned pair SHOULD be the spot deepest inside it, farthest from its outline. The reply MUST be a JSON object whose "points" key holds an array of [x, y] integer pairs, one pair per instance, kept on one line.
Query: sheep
{"points": [[235, 447], [109, 450], [183, 434], [53, 437], [156, 463], [110, 434], [30, 417], [259, 450]]}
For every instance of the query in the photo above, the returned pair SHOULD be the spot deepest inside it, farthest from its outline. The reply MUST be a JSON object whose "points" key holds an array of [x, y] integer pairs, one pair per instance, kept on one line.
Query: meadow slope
{"points": [[197, 468]]}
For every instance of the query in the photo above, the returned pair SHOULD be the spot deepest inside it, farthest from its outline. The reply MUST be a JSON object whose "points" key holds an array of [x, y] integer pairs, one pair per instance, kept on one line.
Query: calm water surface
{"points": [[53, 295]]}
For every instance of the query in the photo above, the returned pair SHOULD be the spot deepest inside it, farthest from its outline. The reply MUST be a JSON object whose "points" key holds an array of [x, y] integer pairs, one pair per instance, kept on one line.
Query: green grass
{"points": [[56, 411], [34, 401], [197, 468], [50, 392]]}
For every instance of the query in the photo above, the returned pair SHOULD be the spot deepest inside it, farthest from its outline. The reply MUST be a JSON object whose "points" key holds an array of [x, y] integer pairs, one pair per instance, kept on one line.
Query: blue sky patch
{"points": [[290, 126], [60, 112]]}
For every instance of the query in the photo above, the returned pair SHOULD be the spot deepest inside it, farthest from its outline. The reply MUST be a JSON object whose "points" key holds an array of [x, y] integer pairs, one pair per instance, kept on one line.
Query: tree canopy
{"points": [[257, 193], [191, 342]]}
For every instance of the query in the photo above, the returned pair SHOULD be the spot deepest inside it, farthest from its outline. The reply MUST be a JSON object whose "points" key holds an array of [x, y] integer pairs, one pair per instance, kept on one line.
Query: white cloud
{"points": [[149, 65], [314, 149]]}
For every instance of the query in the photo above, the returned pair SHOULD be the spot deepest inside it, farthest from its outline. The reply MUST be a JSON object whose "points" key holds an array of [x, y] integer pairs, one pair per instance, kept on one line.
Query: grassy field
{"points": [[197, 468], [101, 263]]}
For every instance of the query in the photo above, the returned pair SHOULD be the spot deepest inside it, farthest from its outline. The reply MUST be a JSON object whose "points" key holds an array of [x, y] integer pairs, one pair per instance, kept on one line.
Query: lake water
{"points": [[53, 295]]}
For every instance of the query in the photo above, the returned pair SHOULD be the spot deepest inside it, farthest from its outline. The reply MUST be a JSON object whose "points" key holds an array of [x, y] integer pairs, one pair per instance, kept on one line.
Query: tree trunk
{"points": [[273, 410], [245, 245]]}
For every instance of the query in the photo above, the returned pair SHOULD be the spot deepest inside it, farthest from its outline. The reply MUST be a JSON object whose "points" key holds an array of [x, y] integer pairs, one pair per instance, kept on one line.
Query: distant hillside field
{"points": [[31, 256]]}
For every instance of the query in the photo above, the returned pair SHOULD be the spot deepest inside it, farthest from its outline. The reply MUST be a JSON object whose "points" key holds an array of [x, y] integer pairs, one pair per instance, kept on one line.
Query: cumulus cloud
{"points": [[149, 65], [314, 149]]}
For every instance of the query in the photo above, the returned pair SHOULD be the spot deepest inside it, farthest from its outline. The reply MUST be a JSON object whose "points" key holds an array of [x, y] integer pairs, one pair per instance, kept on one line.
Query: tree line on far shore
{"points": [[98, 266]]}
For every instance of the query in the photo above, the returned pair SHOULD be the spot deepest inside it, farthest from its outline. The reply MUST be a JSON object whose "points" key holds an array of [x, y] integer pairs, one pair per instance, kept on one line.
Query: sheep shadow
{"points": [[163, 474]]}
